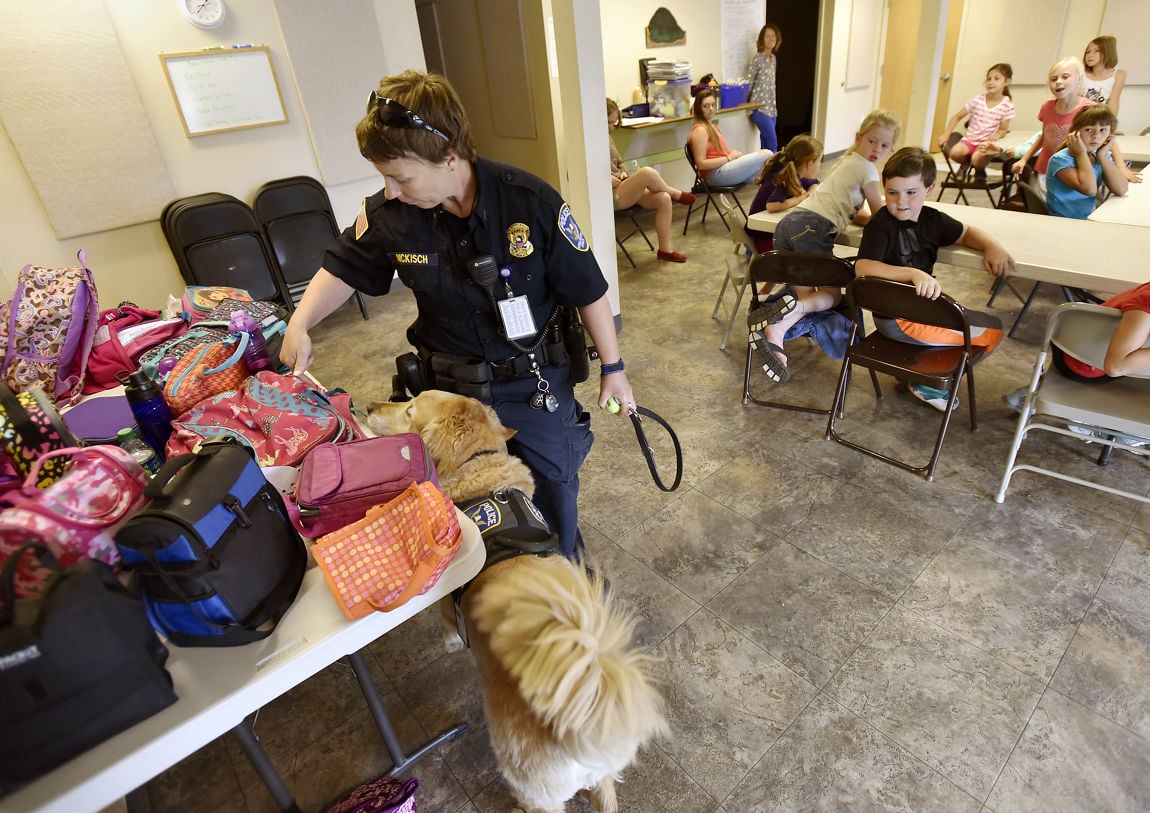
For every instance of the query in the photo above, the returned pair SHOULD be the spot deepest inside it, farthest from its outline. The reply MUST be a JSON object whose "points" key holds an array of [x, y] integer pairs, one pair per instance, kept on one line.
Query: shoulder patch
{"points": [[571, 229], [361, 219]]}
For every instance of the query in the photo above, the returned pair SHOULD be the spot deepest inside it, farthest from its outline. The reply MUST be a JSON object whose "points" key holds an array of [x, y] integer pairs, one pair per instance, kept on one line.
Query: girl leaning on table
{"points": [[812, 227], [1085, 161], [1125, 354]]}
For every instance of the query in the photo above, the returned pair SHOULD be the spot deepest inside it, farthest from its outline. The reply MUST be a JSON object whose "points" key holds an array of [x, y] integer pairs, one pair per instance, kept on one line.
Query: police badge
{"points": [[520, 246]]}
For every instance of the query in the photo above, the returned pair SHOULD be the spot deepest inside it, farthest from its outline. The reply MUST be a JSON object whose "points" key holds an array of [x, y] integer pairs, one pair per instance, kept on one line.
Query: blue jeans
{"points": [[806, 231], [768, 140], [553, 445], [743, 169]]}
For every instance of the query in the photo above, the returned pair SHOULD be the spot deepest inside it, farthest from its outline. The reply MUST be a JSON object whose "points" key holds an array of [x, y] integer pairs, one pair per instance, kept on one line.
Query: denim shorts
{"points": [[806, 231]]}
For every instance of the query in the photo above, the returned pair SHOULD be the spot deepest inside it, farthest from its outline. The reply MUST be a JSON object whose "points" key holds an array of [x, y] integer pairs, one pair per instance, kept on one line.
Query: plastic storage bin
{"points": [[734, 95], [669, 98]]}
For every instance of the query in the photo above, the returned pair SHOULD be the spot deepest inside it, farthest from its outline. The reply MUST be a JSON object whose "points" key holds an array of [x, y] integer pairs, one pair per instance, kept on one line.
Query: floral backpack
{"points": [[47, 330]]}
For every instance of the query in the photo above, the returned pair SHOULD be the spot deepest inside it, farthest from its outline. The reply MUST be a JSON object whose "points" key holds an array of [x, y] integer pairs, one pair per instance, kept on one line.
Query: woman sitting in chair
{"points": [[646, 188], [718, 164]]}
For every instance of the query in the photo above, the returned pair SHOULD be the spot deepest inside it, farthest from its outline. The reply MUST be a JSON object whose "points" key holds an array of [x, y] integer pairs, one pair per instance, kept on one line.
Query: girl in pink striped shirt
{"points": [[990, 114]]}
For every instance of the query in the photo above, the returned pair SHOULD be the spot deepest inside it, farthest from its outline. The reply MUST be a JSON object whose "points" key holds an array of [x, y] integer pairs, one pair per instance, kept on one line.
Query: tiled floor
{"points": [[835, 634]]}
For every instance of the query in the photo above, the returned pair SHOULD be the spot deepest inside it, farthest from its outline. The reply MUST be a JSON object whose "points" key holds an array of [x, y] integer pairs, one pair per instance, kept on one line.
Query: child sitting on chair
{"points": [[1085, 161], [901, 242]]}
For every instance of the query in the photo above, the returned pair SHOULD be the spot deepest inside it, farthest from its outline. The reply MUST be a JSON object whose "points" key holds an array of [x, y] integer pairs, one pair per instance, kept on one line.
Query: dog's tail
{"points": [[568, 646]]}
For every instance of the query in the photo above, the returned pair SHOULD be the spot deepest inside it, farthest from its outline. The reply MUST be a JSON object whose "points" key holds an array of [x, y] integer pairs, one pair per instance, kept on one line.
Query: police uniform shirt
{"points": [[912, 244], [518, 219]]}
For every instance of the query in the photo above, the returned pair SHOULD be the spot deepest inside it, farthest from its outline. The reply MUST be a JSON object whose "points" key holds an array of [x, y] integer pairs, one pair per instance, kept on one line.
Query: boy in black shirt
{"points": [[901, 242]]}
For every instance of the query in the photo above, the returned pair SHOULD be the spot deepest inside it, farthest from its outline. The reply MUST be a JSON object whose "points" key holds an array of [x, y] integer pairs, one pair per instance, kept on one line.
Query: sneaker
{"points": [[931, 395], [1016, 399], [1123, 440]]}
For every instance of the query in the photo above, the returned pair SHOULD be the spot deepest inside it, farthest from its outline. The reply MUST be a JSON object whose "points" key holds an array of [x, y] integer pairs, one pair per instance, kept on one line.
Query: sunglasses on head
{"points": [[393, 114]]}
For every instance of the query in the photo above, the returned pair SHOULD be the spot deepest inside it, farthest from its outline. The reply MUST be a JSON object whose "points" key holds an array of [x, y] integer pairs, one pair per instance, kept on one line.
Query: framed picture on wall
{"points": [[663, 30]]}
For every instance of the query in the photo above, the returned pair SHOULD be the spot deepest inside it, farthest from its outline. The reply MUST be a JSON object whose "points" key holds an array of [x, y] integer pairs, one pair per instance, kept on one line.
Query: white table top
{"points": [[1132, 209], [1134, 147], [219, 687], [1106, 257]]}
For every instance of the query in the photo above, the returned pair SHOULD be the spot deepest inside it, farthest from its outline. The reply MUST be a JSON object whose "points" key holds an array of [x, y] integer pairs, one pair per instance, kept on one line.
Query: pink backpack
{"points": [[47, 330]]}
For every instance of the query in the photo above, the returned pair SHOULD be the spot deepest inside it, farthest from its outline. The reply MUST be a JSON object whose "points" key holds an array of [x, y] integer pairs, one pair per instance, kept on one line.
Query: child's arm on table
{"points": [[872, 191], [995, 259], [1113, 173]]}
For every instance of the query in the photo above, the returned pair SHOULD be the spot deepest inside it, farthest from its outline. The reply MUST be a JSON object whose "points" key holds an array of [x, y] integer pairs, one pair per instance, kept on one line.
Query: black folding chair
{"points": [[631, 214], [703, 191], [939, 367]]}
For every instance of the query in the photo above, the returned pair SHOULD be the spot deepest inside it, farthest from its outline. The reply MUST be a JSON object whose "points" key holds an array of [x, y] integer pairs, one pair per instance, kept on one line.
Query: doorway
{"points": [[798, 20]]}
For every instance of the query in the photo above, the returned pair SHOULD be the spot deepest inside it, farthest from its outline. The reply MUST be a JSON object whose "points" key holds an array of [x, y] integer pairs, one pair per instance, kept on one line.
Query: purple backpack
{"points": [[47, 330]]}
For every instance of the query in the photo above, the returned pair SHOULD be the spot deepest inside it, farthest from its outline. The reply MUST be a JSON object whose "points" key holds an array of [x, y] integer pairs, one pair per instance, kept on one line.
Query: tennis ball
{"points": [[613, 405]]}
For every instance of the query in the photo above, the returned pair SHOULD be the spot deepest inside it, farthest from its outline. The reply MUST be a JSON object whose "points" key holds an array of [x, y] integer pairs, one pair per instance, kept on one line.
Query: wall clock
{"points": [[204, 13]]}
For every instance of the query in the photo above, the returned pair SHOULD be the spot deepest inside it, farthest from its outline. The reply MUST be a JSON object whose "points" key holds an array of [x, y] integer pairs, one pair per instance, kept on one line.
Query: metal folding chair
{"points": [[939, 367]]}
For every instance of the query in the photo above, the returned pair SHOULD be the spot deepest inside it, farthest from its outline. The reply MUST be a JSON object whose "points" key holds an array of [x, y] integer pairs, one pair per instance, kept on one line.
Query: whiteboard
{"points": [[739, 21], [219, 90]]}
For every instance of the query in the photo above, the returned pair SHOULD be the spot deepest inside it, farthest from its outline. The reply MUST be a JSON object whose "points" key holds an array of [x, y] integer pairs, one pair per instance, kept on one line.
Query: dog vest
{"points": [[511, 526]]}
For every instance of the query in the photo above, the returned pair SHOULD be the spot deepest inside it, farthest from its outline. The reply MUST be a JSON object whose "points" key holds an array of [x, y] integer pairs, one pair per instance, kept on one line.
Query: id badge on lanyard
{"points": [[515, 311], [518, 323]]}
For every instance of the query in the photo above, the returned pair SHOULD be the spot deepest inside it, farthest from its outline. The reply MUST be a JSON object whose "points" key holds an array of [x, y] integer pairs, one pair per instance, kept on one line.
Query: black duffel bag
{"points": [[217, 560], [78, 665]]}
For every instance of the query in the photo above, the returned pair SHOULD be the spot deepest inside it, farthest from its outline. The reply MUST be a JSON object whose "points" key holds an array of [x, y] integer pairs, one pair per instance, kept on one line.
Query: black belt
{"points": [[516, 366]]}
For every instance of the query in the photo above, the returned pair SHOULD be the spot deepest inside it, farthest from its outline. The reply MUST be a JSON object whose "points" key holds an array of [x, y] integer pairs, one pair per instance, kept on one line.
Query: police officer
{"points": [[490, 252]]}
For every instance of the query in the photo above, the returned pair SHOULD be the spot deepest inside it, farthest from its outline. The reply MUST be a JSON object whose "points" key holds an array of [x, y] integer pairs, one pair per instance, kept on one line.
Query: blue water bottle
{"points": [[256, 354], [151, 412]]}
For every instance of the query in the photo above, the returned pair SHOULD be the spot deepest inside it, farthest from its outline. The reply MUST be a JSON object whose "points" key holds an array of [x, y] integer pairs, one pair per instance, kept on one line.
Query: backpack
{"points": [[47, 330], [216, 558]]}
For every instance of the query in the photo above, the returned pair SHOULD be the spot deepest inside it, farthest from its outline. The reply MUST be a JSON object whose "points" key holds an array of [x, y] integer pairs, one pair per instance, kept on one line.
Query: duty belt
{"points": [[476, 371], [521, 364]]}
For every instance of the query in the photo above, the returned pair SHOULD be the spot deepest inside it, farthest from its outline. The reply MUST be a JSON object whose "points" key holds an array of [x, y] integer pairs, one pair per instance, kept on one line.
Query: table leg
{"points": [[400, 761], [138, 802], [264, 768]]}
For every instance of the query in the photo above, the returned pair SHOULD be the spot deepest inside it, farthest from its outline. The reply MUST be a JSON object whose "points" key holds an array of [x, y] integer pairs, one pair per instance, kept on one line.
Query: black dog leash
{"points": [[637, 422]]}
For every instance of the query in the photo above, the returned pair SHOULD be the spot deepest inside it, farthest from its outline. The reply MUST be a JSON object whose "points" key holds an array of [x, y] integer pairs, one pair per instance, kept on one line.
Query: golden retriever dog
{"points": [[568, 700]]}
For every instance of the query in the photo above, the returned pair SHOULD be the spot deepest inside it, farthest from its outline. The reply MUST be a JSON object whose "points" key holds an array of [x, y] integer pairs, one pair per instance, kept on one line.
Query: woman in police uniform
{"points": [[444, 221]]}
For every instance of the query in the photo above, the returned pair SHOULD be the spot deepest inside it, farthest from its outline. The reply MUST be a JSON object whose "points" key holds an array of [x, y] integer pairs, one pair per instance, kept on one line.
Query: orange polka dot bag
{"points": [[398, 551]]}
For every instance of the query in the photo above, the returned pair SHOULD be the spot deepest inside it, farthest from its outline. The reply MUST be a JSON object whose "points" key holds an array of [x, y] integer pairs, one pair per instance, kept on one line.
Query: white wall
{"points": [[624, 44], [841, 110], [135, 262], [1082, 23]]}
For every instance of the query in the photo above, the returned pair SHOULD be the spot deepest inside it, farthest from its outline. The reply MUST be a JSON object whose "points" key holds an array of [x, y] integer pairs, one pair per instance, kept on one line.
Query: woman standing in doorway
{"points": [[762, 71]]}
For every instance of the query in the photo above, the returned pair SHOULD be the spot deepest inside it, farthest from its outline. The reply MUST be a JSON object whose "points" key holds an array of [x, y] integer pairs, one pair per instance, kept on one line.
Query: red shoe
{"points": [[671, 256], [686, 198]]}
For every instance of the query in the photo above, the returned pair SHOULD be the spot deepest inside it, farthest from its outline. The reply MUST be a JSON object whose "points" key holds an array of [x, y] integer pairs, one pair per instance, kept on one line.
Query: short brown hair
{"points": [[1093, 115], [909, 162], [434, 100]]}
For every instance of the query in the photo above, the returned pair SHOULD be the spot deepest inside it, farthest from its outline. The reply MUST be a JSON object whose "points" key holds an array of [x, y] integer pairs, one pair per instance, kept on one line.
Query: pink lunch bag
{"points": [[76, 516]]}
